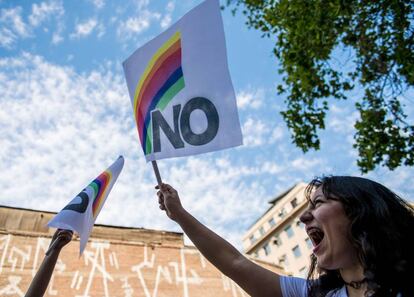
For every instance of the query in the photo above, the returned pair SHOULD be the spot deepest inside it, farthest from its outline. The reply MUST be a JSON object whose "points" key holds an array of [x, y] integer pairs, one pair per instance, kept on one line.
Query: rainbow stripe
{"points": [[100, 186], [160, 82]]}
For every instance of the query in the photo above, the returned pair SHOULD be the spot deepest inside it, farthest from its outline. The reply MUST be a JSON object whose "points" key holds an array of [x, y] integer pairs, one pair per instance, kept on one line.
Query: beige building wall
{"points": [[118, 261], [278, 236]]}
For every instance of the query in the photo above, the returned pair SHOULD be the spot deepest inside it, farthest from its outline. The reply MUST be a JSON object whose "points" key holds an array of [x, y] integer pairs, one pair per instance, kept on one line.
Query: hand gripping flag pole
{"points": [[81, 213]]}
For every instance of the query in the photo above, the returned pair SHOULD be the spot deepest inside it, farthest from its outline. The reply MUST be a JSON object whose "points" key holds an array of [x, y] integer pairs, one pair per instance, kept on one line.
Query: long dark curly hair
{"points": [[382, 231]]}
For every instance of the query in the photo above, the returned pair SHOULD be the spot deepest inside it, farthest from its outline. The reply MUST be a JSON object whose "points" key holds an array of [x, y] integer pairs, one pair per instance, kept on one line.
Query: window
{"points": [[272, 222], [296, 251], [303, 271], [252, 239], [266, 249], [277, 240], [282, 213], [294, 202], [300, 224], [283, 260], [309, 243], [289, 231], [262, 231]]}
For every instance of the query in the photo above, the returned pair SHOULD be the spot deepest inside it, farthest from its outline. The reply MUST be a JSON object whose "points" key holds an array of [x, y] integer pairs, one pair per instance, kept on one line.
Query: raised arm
{"points": [[41, 280], [254, 279]]}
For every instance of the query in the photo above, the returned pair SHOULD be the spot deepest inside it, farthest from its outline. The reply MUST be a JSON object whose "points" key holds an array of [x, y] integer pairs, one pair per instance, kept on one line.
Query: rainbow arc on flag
{"points": [[100, 187], [161, 80]]}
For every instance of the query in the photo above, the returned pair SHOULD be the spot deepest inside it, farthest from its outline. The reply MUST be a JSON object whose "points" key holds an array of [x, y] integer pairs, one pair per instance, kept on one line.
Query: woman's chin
{"points": [[325, 265]]}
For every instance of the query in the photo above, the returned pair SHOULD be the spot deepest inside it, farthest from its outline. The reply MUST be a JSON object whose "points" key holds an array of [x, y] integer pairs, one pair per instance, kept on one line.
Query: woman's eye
{"points": [[317, 202]]}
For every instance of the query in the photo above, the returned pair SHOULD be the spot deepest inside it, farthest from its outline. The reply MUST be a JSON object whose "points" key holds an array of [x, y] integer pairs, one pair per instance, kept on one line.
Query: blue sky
{"points": [[65, 116]]}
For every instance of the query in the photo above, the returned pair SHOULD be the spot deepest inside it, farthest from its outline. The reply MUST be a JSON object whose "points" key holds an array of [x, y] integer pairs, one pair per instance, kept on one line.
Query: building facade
{"points": [[117, 261], [279, 237]]}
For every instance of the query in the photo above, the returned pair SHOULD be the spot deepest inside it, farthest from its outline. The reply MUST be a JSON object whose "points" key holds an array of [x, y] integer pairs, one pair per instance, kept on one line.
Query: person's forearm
{"points": [[217, 250], [41, 280]]}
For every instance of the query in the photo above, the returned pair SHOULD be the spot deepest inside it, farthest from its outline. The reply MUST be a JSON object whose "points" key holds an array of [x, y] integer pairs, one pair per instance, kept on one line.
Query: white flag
{"points": [[80, 214], [180, 88]]}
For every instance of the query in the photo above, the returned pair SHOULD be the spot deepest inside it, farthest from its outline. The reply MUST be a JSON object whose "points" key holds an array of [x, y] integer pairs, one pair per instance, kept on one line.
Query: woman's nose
{"points": [[306, 217]]}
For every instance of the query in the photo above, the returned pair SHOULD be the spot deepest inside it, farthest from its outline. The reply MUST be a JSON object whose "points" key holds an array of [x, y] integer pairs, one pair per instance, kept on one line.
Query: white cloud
{"points": [[255, 132], [57, 38], [45, 10], [166, 19], [278, 133], [84, 29], [13, 17], [142, 4], [7, 38], [396, 181], [342, 119], [134, 26], [98, 3], [272, 168], [170, 6], [113, 20], [307, 164], [12, 26], [53, 121], [100, 30], [249, 99]]}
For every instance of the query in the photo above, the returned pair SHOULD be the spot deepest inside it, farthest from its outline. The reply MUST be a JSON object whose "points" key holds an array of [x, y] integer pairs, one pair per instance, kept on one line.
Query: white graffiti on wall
{"points": [[4, 245], [97, 260], [12, 288], [17, 254], [76, 280], [113, 260], [18, 258], [163, 272], [127, 287]]}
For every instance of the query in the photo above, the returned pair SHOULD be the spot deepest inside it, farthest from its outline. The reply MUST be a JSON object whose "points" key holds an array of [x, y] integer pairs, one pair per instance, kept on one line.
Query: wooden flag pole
{"points": [[157, 172]]}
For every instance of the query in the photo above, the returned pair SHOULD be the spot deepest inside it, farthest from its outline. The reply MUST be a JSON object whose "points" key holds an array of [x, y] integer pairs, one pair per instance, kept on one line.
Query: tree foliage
{"points": [[380, 35]]}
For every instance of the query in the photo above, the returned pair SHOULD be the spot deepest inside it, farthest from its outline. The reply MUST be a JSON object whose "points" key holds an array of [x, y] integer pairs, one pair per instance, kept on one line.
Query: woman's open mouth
{"points": [[316, 235]]}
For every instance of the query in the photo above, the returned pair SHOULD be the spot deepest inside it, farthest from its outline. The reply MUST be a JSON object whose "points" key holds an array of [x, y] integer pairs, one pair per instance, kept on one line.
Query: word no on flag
{"points": [[180, 88], [81, 213]]}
